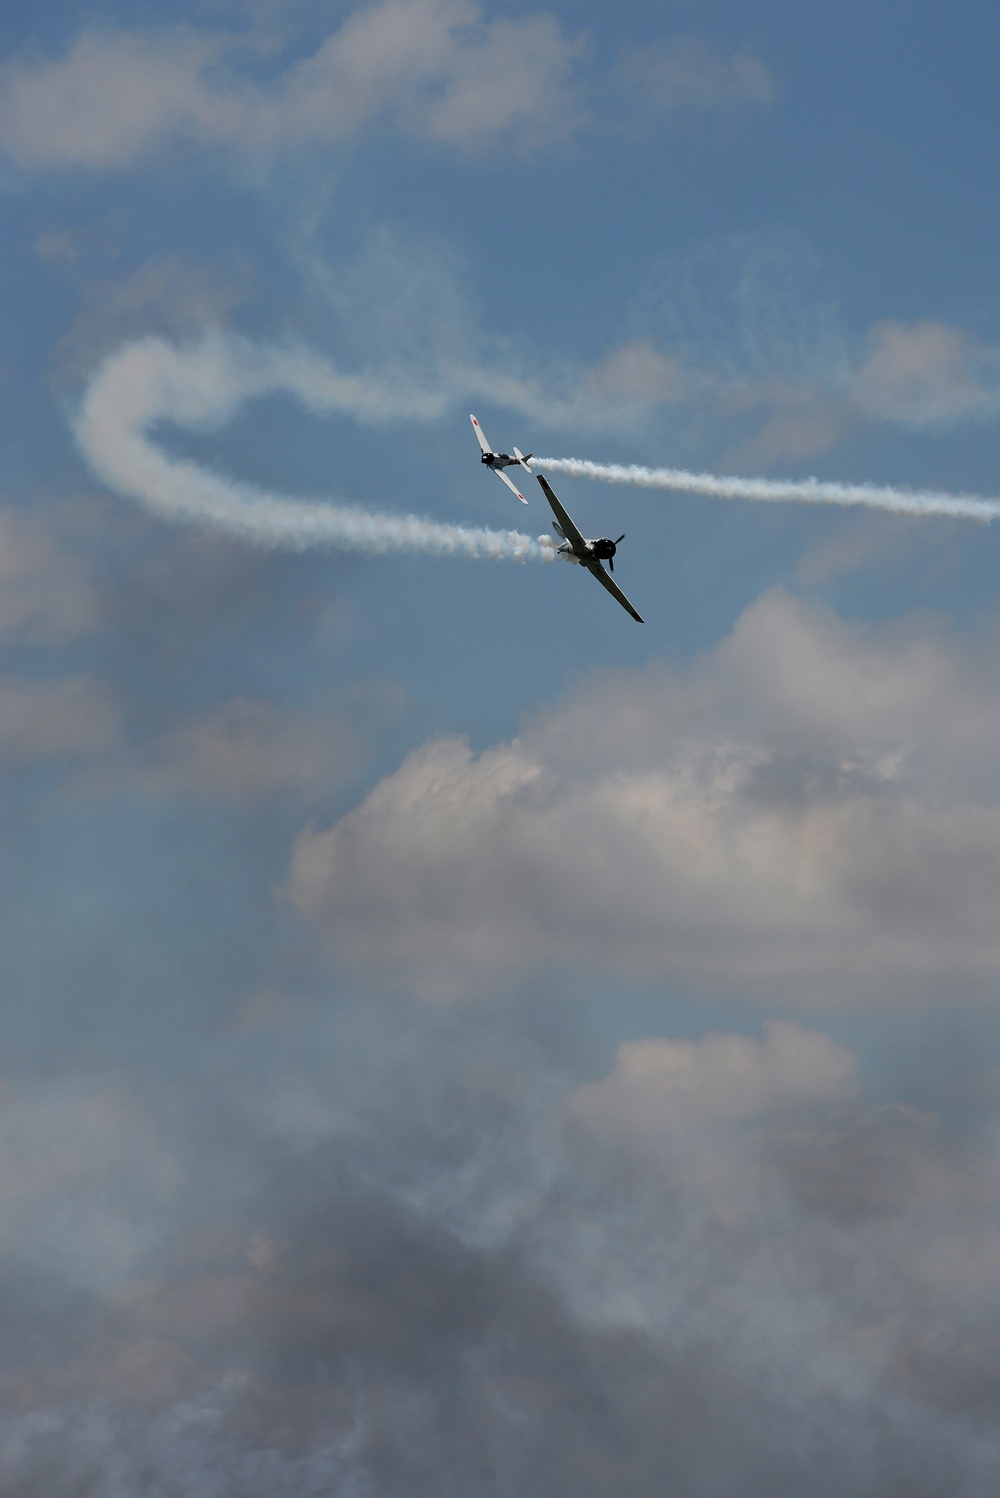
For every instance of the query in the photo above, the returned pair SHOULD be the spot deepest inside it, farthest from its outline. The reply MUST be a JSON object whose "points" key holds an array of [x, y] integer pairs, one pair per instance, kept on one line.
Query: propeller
{"points": [[611, 560]]}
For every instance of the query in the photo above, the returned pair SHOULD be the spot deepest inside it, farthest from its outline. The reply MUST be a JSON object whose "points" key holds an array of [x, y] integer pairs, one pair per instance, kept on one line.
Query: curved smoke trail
{"points": [[796, 491], [203, 386]]}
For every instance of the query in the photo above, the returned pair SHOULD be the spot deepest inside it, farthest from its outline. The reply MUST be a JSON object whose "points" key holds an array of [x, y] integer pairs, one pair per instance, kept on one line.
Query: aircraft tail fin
{"points": [[522, 458]]}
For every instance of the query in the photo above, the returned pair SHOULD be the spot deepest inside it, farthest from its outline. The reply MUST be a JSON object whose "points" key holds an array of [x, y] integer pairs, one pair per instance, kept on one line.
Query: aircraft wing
{"points": [[512, 487], [596, 570], [479, 433], [566, 525]]}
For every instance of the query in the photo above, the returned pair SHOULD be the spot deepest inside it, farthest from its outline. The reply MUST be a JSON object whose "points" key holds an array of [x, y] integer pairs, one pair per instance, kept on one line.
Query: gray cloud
{"points": [[736, 1274], [85, 1187], [810, 808]]}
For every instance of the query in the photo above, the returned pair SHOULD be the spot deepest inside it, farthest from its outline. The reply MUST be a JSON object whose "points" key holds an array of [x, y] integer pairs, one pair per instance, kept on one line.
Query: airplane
{"points": [[499, 461], [589, 554]]}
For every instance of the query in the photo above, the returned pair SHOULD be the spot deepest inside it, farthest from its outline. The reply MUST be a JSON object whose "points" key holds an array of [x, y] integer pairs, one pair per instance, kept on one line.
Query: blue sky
{"points": [[454, 1039]]}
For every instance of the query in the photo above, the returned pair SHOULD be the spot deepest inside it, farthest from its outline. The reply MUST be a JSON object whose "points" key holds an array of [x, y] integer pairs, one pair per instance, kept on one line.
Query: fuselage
{"points": [[498, 460], [600, 550]]}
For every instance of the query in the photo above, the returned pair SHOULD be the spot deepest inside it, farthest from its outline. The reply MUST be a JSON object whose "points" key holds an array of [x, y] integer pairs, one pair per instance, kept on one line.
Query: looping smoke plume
{"points": [[203, 386], [796, 491]]}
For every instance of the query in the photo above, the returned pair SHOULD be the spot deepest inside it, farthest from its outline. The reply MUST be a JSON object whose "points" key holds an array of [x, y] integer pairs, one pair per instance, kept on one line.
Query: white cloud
{"points": [[638, 375], [811, 809], [436, 69], [64, 718], [165, 295], [658, 1085], [926, 374], [45, 594], [772, 373], [799, 422], [111, 97], [245, 748], [433, 68], [921, 375], [687, 73], [517, 80], [235, 751]]}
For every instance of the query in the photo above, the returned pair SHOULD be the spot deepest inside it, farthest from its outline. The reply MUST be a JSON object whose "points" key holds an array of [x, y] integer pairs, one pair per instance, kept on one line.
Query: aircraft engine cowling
{"points": [[604, 550]]}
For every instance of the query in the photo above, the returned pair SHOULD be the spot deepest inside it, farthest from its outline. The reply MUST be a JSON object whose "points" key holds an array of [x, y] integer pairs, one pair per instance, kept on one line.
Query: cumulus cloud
{"points": [[659, 1085], [811, 808], [433, 68]]}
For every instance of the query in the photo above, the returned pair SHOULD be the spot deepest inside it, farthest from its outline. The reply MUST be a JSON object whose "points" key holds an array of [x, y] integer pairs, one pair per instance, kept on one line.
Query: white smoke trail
{"points": [[794, 491], [203, 386]]}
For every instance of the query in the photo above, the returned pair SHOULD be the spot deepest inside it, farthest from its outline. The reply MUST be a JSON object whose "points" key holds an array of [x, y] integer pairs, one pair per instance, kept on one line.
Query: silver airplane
{"points": [[589, 554], [499, 461]]}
